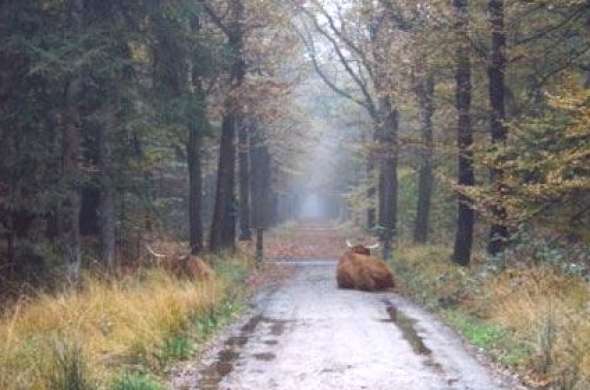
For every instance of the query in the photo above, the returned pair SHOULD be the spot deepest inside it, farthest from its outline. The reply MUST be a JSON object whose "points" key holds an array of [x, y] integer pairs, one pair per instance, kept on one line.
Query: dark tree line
{"points": [[108, 123]]}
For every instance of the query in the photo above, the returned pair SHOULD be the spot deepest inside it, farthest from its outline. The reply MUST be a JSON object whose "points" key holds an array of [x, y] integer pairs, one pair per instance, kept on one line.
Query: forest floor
{"points": [[306, 333]]}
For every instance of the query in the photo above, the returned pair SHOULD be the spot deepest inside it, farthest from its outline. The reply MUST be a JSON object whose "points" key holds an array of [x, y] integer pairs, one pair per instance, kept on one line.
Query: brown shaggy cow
{"points": [[358, 270], [183, 265]]}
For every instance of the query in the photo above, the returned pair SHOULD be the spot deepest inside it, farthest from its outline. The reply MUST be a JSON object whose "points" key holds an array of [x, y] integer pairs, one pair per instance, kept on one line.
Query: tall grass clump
{"points": [[529, 315], [144, 320]]}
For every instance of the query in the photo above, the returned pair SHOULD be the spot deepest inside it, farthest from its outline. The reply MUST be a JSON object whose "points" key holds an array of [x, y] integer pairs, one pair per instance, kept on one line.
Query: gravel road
{"points": [[308, 334]]}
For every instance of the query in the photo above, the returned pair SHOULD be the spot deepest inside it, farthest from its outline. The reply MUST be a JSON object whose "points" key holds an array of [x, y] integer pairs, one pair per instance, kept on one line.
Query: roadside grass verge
{"points": [[116, 333], [533, 319]]}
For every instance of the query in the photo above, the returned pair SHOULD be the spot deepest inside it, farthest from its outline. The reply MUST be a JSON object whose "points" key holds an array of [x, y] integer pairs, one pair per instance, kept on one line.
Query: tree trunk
{"points": [[244, 161], [261, 183], [70, 208], [223, 228], [388, 183], [259, 245], [465, 215], [371, 192], [224, 218], [106, 206], [197, 121], [195, 187], [496, 74], [425, 177]]}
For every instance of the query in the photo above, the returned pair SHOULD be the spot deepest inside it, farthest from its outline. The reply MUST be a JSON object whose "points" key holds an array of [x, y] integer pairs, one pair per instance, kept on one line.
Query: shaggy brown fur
{"points": [[192, 267], [180, 264], [360, 271]]}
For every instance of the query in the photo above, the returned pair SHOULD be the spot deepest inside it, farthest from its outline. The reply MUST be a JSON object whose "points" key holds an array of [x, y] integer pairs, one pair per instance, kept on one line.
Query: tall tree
{"points": [[261, 188], [466, 178], [244, 163], [194, 152], [72, 135], [106, 207], [425, 92], [388, 178], [496, 76], [197, 125], [223, 228]]}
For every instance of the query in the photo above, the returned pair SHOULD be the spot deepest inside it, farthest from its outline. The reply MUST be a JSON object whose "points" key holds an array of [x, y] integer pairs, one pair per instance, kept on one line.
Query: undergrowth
{"points": [[530, 316], [117, 333]]}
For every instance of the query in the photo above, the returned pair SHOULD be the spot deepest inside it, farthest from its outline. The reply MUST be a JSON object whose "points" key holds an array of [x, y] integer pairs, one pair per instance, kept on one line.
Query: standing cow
{"points": [[358, 270]]}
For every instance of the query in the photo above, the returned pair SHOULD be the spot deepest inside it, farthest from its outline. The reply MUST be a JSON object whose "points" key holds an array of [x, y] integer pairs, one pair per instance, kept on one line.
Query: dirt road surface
{"points": [[308, 334]]}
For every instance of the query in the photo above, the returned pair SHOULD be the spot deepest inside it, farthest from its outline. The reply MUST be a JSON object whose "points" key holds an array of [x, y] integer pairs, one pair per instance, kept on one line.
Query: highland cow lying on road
{"points": [[358, 270]]}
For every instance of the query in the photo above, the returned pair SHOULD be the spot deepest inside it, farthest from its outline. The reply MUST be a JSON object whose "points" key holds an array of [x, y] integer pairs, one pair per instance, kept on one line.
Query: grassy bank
{"points": [[532, 318], [119, 333]]}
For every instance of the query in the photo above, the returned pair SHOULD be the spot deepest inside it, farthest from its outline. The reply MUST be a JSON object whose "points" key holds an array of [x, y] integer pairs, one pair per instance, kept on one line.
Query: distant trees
{"points": [[460, 65], [362, 50]]}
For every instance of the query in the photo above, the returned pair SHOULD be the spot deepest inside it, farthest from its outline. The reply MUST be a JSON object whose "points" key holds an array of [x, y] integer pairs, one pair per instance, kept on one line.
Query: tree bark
{"points": [[259, 245], [197, 122], [425, 94], [71, 155], [106, 205], [388, 180], [195, 187], [223, 228], [371, 192], [465, 215], [496, 74], [244, 161], [261, 183]]}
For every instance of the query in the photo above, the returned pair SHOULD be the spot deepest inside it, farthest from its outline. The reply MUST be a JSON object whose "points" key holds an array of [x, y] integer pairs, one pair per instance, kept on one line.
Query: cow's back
{"points": [[362, 272], [345, 271]]}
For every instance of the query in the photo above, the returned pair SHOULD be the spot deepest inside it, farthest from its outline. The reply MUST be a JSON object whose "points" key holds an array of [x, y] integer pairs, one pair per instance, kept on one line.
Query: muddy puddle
{"points": [[407, 326], [227, 358], [265, 356]]}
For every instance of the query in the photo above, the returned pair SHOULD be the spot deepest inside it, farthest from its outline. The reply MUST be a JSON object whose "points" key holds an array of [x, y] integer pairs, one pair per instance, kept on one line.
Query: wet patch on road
{"points": [[277, 327], [238, 341], [406, 325], [227, 358], [252, 324], [265, 356], [409, 333]]}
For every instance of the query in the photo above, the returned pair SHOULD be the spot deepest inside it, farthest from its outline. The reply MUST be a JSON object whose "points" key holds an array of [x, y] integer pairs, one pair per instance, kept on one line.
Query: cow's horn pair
{"points": [[374, 246]]}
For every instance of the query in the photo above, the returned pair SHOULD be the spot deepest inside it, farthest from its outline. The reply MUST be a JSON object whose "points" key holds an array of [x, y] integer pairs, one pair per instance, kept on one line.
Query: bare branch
{"points": [[311, 50], [344, 61], [217, 20], [349, 43]]}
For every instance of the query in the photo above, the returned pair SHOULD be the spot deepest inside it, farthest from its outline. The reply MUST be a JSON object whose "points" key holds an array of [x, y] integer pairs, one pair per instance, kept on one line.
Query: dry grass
{"points": [[109, 324], [552, 312], [537, 307]]}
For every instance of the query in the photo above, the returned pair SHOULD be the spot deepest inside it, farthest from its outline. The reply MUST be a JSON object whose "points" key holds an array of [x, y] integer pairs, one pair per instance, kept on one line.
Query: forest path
{"points": [[308, 334]]}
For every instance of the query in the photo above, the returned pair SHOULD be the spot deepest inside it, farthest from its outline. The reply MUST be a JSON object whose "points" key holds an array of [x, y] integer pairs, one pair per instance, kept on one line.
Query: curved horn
{"points": [[153, 253], [374, 246], [348, 244]]}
